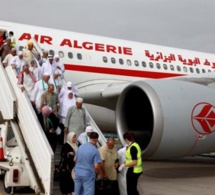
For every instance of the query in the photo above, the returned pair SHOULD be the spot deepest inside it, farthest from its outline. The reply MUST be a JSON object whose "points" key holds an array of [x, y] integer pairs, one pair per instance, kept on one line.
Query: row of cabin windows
{"points": [[136, 62], [157, 65]]}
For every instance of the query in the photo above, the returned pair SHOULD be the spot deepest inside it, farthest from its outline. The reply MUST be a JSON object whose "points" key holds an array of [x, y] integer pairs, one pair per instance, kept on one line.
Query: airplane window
{"points": [[121, 61], [209, 70], [113, 60], [79, 56], [158, 65], [143, 64], [191, 69], [70, 55], [203, 71], [61, 54], [165, 66], [185, 69], [151, 65], [171, 67], [21, 48], [136, 63], [197, 70], [179, 68], [105, 60], [51, 52], [129, 62]]}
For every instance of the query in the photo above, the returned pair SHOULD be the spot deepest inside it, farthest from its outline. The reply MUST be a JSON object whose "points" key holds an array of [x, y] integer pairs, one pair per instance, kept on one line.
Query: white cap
{"points": [[20, 53], [69, 84], [88, 129], [56, 72], [50, 56], [56, 56], [46, 74], [79, 100]]}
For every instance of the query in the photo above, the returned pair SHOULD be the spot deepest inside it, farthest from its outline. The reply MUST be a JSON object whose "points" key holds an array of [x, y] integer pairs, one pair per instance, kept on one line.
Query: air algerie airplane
{"points": [[164, 95]]}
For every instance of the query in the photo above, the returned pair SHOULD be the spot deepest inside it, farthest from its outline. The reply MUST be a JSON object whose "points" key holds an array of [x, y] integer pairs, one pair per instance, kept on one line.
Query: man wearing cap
{"points": [[85, 136], [39, 88], [49, 66], [9, 56], [26, 80], [76, 119], [18, 61], [59, 65], [87, 166], [29, 52], [50, 98], [57, 81], [45, 56]]}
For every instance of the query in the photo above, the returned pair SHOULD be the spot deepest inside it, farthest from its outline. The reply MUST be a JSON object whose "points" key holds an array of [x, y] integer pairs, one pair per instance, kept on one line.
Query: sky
{"points": [[186, 24]]}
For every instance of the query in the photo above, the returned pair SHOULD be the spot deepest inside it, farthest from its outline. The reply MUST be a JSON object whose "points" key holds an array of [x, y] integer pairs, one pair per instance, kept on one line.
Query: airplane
{"points": [[164, 95]]}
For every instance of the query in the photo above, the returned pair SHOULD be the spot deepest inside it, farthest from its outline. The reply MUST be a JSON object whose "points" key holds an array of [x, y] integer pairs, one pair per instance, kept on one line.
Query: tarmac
{"points": [[184, 176]]}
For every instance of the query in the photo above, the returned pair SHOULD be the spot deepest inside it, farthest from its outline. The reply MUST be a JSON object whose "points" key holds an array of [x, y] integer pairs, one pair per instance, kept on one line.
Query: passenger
{"points": [[60, 66], [50, 98], [68, 152], [87, 166], [26, 80], [39, 88], [35, 69], [69, 86], [38, 59], [49, 122], [57, 81], [85, 136], [76, 119], [13, 40], [29, 52], [7, 59], [133, 162], [122, 174], [49, 66], [5, 48], [18, 61], [65, 104], [109, 165], [45, 56]]}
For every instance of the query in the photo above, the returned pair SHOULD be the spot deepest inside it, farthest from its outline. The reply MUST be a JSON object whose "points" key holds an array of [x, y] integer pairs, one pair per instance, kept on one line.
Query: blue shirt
{"points": [[87, 155]]}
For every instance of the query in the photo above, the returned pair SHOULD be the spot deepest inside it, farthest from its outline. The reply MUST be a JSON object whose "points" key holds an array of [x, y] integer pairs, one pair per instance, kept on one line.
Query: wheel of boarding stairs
{"points": [[8, 190]]}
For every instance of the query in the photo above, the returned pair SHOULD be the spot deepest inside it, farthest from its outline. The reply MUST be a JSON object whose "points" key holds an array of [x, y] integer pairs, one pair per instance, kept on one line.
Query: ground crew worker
{"points": [[133, 163]]}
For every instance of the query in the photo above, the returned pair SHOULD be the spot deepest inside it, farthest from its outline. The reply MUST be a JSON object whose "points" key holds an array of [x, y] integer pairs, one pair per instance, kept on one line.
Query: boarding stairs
{"points": [[32, 154]]}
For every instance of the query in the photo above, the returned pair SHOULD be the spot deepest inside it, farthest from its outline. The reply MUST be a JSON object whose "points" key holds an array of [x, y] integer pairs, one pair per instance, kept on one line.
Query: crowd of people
{"points": [[59, 109]]}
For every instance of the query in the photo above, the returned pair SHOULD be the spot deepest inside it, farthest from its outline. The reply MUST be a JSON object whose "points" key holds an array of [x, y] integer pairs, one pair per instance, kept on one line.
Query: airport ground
{"points": [[185, 176]]}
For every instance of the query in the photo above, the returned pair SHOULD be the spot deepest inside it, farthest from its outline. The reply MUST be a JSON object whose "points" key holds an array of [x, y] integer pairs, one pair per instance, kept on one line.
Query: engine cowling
{"points": [[170, 118]]}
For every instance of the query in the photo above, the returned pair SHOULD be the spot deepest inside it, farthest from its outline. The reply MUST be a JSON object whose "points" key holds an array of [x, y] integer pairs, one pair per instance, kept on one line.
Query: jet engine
{"points": [[170, 118]]}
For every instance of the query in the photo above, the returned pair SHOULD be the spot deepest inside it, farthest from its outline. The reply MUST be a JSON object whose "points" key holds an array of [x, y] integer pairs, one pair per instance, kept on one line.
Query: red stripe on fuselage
{"points": [[121, 72]]}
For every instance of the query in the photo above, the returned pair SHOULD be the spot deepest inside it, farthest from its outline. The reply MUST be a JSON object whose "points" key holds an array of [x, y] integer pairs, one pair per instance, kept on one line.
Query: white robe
{"points": [[65, 104], [39, 87], [48, 67]]}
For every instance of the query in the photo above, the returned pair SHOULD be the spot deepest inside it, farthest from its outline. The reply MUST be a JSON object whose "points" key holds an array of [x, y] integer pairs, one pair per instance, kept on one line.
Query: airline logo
{"points": [[87, 45], [203, 118]]}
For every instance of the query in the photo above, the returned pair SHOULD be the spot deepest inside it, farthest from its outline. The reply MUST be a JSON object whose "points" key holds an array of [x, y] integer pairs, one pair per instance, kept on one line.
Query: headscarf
{"points": [[66, 103], [69, 141]]}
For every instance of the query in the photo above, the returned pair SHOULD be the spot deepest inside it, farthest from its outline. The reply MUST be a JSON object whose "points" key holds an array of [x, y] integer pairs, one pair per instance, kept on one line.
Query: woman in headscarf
{"points": [[68, 101], [67, 155]]}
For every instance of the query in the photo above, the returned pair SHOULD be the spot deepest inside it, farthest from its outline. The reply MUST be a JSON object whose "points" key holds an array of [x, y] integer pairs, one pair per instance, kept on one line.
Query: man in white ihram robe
{"points": [[76, 119]]}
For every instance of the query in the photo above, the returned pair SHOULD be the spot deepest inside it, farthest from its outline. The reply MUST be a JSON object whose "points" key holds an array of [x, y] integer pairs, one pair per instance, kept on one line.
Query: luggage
{"points": [[106, 187]]}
